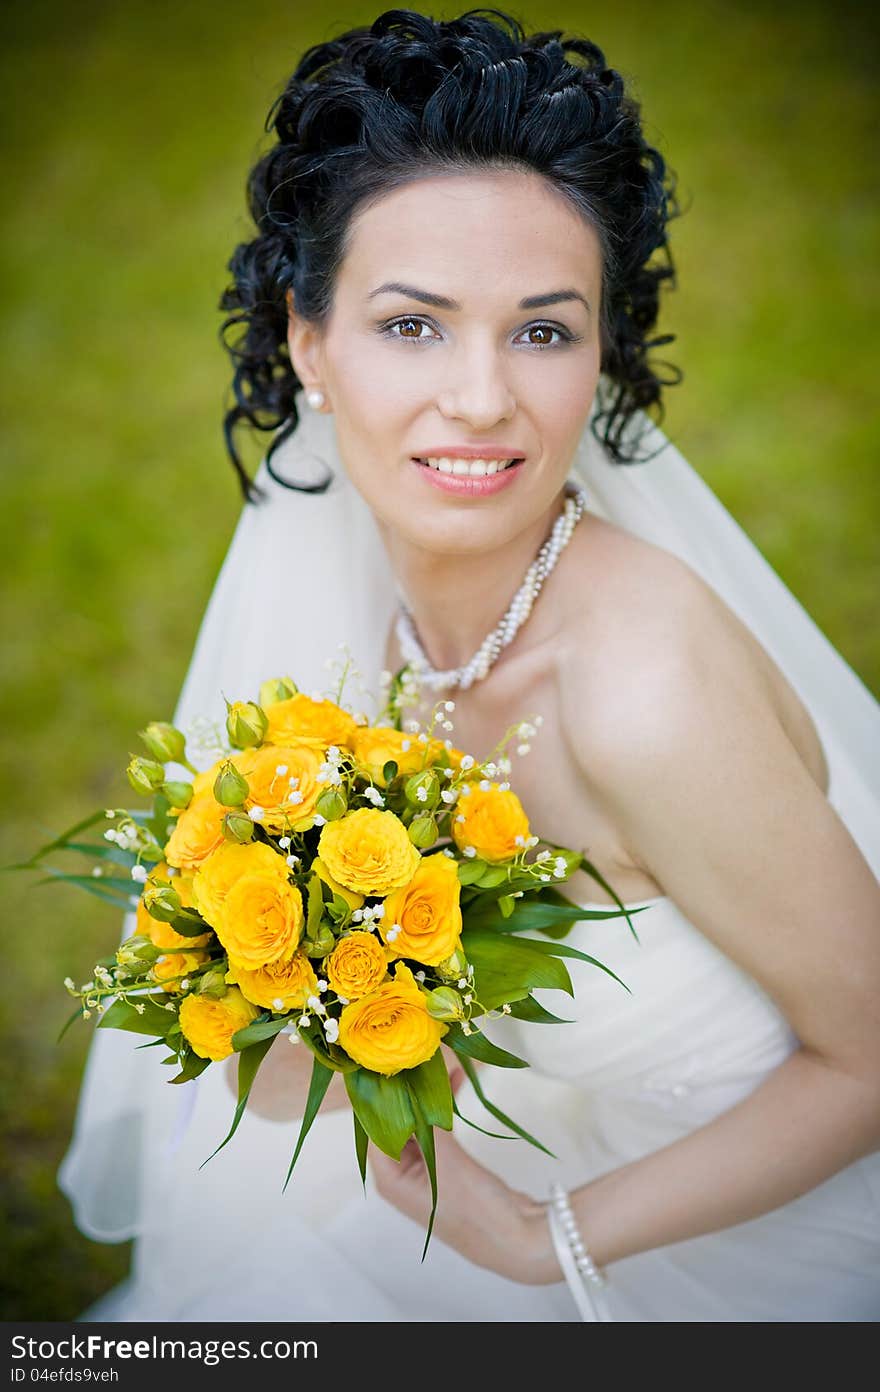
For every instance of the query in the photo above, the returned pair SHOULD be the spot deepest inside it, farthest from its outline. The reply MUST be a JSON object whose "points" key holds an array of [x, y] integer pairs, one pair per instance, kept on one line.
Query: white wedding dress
{"points": [[632, 1073]]}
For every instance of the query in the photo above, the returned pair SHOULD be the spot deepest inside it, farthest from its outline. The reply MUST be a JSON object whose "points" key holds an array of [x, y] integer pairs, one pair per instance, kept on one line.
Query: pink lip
{"points": [[470, 487], [471, 452]]}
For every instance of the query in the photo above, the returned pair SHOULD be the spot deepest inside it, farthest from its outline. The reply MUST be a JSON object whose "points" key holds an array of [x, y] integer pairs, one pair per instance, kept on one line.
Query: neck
{"points": [[455, 599]]}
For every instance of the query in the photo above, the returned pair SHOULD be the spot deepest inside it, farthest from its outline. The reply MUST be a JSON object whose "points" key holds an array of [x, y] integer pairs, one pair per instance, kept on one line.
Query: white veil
{"points": [[324, 554]]}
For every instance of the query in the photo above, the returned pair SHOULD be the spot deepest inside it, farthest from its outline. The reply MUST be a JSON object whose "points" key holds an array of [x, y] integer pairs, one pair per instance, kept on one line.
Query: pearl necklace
{"points": [[518, 611]]}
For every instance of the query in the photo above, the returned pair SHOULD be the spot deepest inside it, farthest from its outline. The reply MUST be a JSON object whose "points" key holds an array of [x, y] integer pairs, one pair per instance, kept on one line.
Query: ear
{"points": [[305, 348]]}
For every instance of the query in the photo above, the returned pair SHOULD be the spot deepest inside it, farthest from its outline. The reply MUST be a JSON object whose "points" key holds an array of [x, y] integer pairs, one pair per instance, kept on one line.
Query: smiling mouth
{"points": [[467, 468]]}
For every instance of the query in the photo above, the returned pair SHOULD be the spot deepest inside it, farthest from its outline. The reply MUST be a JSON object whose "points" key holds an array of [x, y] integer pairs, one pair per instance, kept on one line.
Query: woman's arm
{"points": [[685, 750], [715, 803]]}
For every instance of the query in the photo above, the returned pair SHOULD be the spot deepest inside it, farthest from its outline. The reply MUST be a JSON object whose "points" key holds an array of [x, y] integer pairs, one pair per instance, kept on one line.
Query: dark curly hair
{"points": [[381, 106]]}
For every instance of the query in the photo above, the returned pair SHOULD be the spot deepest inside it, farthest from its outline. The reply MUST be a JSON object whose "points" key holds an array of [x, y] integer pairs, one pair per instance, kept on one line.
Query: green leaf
{"points": [[249, 1061], [256, 1032], [492, 876], [506, 905], [479, 1047], [102, 850], [193, 1065], [506, 968], [77, 1015], [383, 1107], [529, 1009], [92, 884], [330, 1055], [499, 1135], [361, 1145], [425, 1137], [65, 836], [496, 1111], [315, 906], [431, 1089], [155, 1019], [189, 924], [389, 770], [556, 949], [321, 1080], [469, 871]]}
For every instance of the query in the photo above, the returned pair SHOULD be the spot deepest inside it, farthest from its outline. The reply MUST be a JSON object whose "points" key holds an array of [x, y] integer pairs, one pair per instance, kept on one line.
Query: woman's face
{"points": [[406, 377]]}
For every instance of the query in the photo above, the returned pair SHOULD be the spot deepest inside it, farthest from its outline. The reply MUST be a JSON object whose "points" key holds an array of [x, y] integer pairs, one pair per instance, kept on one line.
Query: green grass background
{"points": [[127, 133]]}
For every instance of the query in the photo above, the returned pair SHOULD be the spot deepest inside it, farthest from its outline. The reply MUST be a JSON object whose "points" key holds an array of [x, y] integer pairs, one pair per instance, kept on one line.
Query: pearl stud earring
{"points": [[315, 398]]}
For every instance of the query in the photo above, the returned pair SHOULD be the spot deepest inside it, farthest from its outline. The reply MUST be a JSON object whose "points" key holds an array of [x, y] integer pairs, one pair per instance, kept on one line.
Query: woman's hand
{"points": [[281, 1086], [478, 1214]]}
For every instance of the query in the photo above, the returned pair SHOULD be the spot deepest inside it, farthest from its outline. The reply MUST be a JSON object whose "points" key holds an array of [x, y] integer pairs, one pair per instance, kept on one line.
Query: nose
{"points": [[476, 390]]}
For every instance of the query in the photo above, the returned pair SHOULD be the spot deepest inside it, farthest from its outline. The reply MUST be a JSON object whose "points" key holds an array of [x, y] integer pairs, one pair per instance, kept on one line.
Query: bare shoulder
{"points": [[640, 661]]}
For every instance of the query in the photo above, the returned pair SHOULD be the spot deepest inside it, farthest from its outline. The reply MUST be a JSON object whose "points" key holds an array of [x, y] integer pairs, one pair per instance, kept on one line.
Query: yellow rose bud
{"points": [[208, 1025], [277, 689], [246, 723], [422, 790], [237, 826], [212, 983], [356, 965], [179, 794], [164, 742], [300, 720], [423, 919], [230, 787], [495, 823], [282, 985], [391, 1028], [454, 966], [322, 943], [423, 831], [161, 901], [444, 1004], [160, 933], [145, 775], [368, 851], [135, 952], [332, 804]]}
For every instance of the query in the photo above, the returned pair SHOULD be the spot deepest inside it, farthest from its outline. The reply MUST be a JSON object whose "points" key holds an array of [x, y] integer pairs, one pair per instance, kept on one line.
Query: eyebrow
{"points": [[442, 302]]}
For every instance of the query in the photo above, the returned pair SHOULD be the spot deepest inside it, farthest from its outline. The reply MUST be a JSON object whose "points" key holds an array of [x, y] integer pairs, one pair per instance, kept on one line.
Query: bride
{"points": [[451, 269]]}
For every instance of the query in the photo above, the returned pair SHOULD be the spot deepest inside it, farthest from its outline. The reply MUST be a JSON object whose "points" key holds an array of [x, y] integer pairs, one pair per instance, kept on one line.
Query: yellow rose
{"points": [[176, 964], [357, 964], [209, 1025], [374, 745], [301, 720], [428, 911], [216, 876], [390, 1029], [198, 832], [282, 985], [354, 901], [161, 934], [368, 851], [494, 819], [283, 805], [261, 920]]}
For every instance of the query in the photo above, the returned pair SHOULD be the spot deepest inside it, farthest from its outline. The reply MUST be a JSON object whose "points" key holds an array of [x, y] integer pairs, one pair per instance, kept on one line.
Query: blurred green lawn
{"points": [[127, 134]]}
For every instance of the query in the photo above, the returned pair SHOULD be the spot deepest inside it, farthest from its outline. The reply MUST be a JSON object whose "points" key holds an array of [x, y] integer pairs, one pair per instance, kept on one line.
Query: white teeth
{"points": [[470, 468]]}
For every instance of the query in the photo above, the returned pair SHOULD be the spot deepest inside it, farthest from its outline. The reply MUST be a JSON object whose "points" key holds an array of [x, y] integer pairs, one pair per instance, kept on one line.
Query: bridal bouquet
{"points": [[360, 887]]}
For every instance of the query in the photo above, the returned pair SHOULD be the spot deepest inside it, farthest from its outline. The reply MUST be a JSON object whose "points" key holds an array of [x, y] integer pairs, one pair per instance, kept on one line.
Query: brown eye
{"points": [[406, 324], [547, 332]]}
